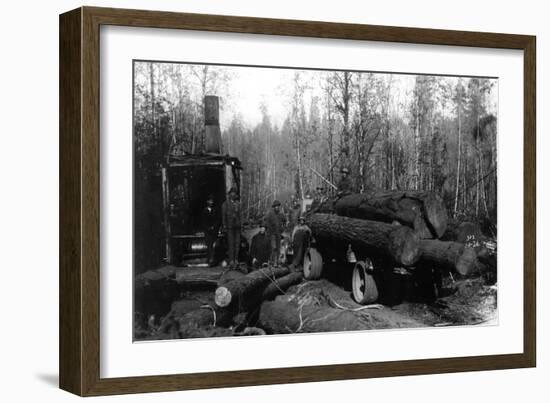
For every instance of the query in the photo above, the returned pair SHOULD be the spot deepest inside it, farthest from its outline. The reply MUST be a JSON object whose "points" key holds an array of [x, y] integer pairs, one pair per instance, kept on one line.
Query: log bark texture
{"points": [[282, 316], [240, 293], [205, 321], [280, 285], [453, 255], [425, 212], [398, 242], [206, 316], [321, 306]]}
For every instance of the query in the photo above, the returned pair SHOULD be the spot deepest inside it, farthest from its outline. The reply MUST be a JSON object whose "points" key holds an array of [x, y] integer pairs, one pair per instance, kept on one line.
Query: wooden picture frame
{"points": [[80, 186]]}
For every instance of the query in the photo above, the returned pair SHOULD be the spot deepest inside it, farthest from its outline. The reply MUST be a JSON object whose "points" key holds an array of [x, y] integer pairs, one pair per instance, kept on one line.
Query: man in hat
{"points": [[231, 217], [318, 199], [344, 185], [300, 241], [211, 226], [260, 247], [294, 214], [275, 222]]}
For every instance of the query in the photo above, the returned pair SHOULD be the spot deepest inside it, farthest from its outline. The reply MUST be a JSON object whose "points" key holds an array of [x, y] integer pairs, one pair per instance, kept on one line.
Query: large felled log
{"points": [[395, 241], [152, 277], [453, 255], [320, 306], [425, 212], [280, 285], [237, 292], [202, 322], [282, 316], [208, 315], [154, 291]]}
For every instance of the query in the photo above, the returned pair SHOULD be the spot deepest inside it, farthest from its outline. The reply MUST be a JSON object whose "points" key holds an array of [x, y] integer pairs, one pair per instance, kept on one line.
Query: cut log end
{"points": [[423, 211], [436, 214], [222, 297], [454, 255], [404, 246], [467, 261]]}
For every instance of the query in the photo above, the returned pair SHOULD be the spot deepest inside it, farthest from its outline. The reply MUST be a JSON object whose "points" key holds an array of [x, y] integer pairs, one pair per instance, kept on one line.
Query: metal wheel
{"points": [[313, 264], [363, 285]]}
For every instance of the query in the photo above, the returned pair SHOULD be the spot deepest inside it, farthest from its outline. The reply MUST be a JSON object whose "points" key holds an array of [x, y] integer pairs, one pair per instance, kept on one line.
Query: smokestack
{"points": [[213, 137]]}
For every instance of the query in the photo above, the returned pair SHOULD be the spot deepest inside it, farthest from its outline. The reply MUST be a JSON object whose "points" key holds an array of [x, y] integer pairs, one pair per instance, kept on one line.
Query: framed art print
{"points": [[251, 201]]}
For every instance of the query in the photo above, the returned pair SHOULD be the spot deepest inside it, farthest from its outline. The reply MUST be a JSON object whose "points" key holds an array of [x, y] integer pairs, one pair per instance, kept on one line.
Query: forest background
{"points": [[293, 131]]}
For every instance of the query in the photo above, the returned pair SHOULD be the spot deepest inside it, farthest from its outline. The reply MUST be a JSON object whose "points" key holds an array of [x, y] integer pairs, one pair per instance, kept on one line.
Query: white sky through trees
{"points": [[393, 131], [243, 90]]}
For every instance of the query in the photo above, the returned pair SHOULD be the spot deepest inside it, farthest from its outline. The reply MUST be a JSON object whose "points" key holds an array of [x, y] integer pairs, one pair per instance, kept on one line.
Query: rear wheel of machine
{"points": [[363, 285], [313, 264]]}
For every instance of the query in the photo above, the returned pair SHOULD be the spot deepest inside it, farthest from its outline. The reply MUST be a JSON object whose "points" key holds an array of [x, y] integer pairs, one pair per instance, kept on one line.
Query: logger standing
{"points": [[260, 248], [275, 222], [294, 214], [211, 227], [318, 199], [231, 216], [301, 235]]}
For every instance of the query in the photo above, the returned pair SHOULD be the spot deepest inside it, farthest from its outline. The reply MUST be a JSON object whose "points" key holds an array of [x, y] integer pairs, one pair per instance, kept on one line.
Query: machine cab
{"points": [[187, 182]]}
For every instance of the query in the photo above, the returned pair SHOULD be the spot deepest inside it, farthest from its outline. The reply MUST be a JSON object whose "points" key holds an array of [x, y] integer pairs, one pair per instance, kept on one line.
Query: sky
{"points": [[250, 87]]}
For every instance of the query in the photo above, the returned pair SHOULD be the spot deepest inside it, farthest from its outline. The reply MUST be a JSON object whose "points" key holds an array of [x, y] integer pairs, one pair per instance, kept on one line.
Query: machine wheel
{"points": [[364, 288], [313, 264]]}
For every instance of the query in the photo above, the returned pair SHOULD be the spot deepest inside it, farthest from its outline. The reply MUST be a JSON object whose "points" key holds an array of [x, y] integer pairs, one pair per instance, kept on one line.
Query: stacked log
{"points": [[397, 242], [425, 212], [455, 256], [472, 236], [463, 250]]}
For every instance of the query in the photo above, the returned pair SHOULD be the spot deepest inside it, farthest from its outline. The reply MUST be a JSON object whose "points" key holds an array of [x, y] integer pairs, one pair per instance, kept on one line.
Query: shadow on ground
{"points": [[49, 379]]}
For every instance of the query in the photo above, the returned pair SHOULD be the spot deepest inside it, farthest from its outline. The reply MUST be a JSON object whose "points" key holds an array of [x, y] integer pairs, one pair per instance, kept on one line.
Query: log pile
{"points": [[405, 226], [232, 299], [424, 212]]}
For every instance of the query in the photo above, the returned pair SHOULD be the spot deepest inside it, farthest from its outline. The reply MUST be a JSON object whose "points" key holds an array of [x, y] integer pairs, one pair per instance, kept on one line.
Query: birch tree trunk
{"points": [[153, 116], [458, 158]]}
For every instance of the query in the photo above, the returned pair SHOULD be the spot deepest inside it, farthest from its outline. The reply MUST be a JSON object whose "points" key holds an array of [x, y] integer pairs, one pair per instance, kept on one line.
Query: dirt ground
{"points": [[323, 305]]}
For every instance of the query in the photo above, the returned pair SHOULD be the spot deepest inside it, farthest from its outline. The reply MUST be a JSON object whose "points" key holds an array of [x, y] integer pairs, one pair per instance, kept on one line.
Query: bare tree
{"points": [[459, 101]]}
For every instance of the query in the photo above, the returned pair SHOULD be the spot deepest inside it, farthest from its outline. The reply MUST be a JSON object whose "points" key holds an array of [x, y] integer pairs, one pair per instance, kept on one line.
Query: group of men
{"points": [[265, 246]]}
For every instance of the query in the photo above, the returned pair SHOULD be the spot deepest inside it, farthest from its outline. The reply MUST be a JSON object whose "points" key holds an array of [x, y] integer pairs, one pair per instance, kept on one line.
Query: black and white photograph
{"points": [[270, 200]]}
